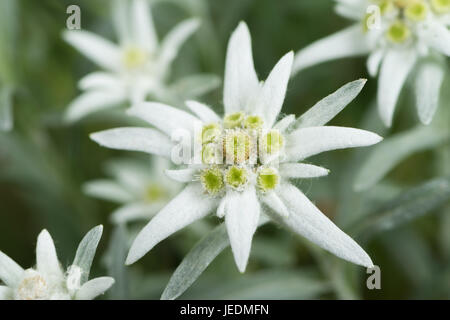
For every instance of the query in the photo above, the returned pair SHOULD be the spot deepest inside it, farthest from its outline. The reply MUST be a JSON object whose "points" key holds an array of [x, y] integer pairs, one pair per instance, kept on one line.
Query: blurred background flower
{"points": [[402, 219]]}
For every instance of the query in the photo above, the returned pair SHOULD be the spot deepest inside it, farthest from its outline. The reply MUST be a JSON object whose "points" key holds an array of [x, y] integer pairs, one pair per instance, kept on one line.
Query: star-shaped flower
{"points": [[138, 66], [139, 186], [399, 36], [47, 281], [242, 162]]}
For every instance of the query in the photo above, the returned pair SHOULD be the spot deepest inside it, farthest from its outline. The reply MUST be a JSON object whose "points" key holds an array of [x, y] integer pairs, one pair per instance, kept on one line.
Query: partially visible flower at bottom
{"points": [[140, 187], [47, 281]]}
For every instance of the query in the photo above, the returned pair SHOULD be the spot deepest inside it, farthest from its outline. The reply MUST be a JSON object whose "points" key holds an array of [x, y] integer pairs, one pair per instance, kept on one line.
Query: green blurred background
{"points": [[43, 163]]}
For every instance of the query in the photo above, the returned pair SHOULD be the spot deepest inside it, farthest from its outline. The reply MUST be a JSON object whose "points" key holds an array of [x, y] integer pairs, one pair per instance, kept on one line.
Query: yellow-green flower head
{"points": [[211, 132], [441, 6], [272, 142], [237, 146], [417, 11], [268, 179], [212, 180], [253, 122], [209, 153], [398, 32], [233, 120], [236, 177], [134, 57]]}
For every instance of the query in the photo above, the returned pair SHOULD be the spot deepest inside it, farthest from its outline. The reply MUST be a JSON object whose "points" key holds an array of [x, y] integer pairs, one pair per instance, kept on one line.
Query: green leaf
{"points": [[327, 108], [86, 251], [117, 253], [197, 260], [387, 154], [404, 208], [275, 284]]}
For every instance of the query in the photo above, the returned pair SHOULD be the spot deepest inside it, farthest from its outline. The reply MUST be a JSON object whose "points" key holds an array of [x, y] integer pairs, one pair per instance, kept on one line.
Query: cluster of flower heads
{"points": [[248, 157], [401, 21], [237, 151], [48, 281], [399, 36]]}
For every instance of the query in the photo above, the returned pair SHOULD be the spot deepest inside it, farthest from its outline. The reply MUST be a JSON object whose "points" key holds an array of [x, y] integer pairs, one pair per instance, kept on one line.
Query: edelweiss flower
{"points": [[398, 36], [232, 178], [138, 66], [47, 281], [140, 186]]}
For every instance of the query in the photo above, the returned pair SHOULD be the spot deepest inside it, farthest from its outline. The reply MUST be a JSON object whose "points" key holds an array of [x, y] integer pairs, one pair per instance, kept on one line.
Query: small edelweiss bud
{"points": [[398, 32], [441, 6], [212, 180], [268, 179], [233, 120], [272, 142], [209, 153], [417, 11], [134, 57], [211, 132], [73, 281], [32, 287], [253, 122], [236, 146], [236, 177]]}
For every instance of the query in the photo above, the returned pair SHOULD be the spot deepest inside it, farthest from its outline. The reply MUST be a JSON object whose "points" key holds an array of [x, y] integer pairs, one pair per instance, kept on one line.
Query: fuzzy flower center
{"points": [[134, 58], [402, 16], [234, 152], [32, 287]]}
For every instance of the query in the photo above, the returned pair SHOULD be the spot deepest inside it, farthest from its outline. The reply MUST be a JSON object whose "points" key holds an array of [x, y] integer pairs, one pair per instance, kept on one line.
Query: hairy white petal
{"points": [[271, 97], [241, 82], [46, 257], [10, 272], [284, 123], [346, 43], [107, 190], [166, 118], [374, 61], [395, 68], [135, 139], [306, 142], [301, 170], [203, 112], [241, 219], [221, 210], [100, 80], [93, 288], [190, 205], [92, 101], [143, 28], [428, 83], [182, 175], [86, 251], [134, 211], [6, 293], [437, 36], [101, 51], [273, 201], [306, 220], [173, 41], [327, 108]]}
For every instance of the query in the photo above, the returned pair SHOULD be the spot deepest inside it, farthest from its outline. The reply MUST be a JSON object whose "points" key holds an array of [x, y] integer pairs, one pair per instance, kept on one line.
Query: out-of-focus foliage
{"points": [[402, 215]]}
